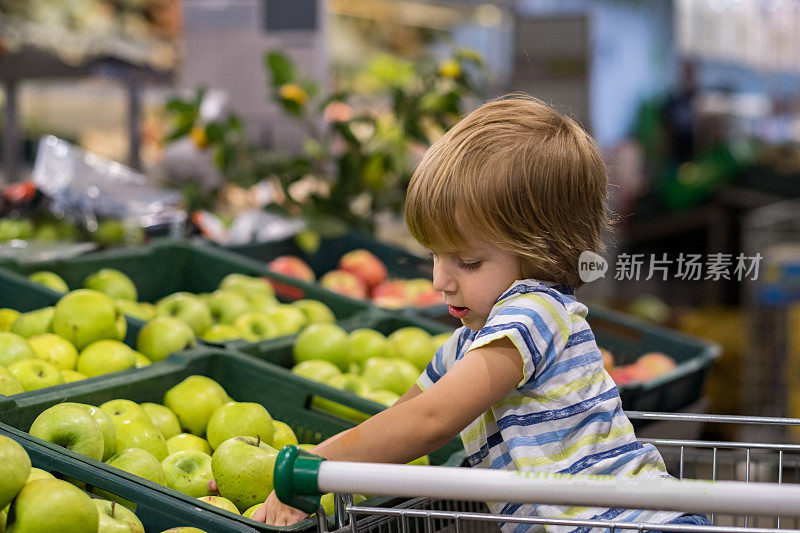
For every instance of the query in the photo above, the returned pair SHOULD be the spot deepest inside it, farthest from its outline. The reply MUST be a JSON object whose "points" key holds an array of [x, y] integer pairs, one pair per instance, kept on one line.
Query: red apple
{"points": [[608, 359], [292, 266], [364, 265], [654, 364], [344, 283], [622, 375], [427, 298], [394, 289]]}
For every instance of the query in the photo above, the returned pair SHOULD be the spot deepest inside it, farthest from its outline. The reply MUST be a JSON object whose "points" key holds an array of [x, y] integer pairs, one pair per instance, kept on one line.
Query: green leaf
{"points": [[214, 132], [281, 68]]}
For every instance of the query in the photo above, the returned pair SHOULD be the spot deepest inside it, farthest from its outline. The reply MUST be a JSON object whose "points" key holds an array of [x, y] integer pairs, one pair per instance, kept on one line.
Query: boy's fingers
{"points": [[261, 513]]}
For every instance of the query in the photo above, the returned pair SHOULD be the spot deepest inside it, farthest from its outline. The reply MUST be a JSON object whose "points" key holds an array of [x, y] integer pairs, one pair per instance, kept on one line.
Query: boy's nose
{"points": [[442, 280]]}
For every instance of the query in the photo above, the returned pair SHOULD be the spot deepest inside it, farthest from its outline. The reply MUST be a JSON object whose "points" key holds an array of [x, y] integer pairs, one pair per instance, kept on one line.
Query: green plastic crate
{"points": [[17, 292], [287, 397], [280, 352], [156, 511], [165, 266]]}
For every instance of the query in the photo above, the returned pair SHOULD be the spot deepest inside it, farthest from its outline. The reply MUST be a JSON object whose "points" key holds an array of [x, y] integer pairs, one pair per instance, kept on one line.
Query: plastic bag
{"points": [[86, 186]]}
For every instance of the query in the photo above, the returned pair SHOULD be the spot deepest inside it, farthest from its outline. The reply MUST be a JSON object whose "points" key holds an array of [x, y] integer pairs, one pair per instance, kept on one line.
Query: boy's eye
{"points": [[469, 265]]}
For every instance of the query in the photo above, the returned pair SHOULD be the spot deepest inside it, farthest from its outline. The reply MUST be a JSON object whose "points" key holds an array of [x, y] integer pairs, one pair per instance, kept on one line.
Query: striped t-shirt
{"points": [[565, 416]]}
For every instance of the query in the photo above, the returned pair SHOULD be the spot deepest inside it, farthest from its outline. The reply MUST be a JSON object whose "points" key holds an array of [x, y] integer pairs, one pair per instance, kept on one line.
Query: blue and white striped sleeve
{"points": [[441, 362], [537, 323]]}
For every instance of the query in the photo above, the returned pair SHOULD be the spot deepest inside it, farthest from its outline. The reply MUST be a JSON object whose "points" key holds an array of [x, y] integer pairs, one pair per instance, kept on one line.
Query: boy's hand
{"points": [[276, 513]]}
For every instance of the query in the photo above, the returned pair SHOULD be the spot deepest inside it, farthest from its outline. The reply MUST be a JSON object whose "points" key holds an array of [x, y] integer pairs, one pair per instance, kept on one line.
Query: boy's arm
{"points": [[422, 421]]}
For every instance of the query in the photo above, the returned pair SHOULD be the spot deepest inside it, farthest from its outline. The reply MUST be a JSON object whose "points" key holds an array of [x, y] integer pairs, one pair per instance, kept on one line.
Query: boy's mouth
{"points": [[458, 312]]}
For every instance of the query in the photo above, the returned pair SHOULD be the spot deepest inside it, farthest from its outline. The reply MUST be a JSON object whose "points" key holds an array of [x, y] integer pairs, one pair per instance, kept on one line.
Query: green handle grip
{"points": [[296, 473]]}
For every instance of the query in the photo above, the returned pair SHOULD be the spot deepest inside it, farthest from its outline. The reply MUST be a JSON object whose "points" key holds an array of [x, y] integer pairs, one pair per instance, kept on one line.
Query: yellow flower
{"points": [[198, 135], [293, 93], [450, 69]]}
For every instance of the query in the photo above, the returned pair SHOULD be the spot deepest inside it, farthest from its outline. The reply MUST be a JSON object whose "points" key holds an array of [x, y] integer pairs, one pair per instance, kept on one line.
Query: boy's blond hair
{"points": [[519, 175]]}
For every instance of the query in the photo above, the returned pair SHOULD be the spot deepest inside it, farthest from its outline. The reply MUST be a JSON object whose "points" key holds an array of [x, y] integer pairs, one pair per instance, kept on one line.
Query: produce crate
{"points": [[165, 266], [280, 353], [156, 511], [628, 337], [287, 397], [17, 292]]}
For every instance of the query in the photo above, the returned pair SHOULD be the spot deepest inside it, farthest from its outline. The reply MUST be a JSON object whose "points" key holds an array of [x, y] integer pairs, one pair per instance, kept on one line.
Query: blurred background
{"points": [[247, 121]]}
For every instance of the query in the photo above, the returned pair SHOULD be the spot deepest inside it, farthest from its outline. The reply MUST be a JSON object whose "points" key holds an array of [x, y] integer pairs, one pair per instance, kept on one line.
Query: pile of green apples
{"points": [[80, 337], [197, 435], [242, 306], [32, 499], [364, 362]]}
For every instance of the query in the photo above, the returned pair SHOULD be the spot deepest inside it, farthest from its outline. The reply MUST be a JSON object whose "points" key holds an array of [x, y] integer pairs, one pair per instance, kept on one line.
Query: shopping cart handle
{"points": [[296, 473]]}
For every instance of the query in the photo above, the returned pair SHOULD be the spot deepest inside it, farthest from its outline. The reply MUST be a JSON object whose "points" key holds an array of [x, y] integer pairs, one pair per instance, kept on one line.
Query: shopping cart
{"points": [[756, 488]]}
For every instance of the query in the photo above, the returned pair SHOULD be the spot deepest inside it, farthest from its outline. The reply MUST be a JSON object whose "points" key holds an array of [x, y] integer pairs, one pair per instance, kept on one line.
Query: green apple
{"points": [[33, 322], [49, 279], [194, 400], [187, 307], [422, 461], [52, 505], [439, 340], [366, 343], [133, 434], [383, 397], [286, 319], [163, 419], [307, 447], [260, 302], [316, 312], [141, 360], [7, 317], [72, 427], [412, 344], [236, 419], [56, 350], [116, 518], [121, 409], [222, 503], [226, 305], [323, 341], [142, 310], [16, 469], [106, 425], [140, 463], [282, 435], [113, 282], [188, 472], [8, 383], [164, 335], [104, 357], [255, 326], [349, 382], [38, 473], [392, 374], [316, 370], [243, 469], [84, 316], [327, 501], [247, 284], [187, 442], [34, 374], [221, 333], [252, 510], [71, 376], [14, 348]]}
